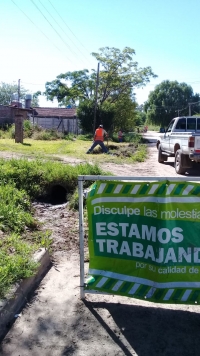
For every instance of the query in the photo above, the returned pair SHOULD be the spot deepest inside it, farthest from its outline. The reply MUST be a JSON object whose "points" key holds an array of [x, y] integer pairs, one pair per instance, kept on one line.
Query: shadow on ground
{"points": [[151, 331], [105, 328]]}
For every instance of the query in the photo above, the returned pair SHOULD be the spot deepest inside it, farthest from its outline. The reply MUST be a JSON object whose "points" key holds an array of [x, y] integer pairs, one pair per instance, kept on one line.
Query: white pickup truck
{"points": [[182, 141]]}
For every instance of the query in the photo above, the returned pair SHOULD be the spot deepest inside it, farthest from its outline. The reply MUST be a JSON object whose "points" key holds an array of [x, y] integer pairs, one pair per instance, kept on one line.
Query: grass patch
{"points": [[77, 148]]}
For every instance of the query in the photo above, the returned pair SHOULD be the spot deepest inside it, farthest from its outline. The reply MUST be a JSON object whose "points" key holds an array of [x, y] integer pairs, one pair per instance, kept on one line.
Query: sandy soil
{"points": [[56, 322]]}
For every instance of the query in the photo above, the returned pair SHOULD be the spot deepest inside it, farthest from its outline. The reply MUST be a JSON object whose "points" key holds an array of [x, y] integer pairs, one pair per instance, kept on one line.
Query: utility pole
{"points": [[189, 104], [95, 104], [18, 91]]}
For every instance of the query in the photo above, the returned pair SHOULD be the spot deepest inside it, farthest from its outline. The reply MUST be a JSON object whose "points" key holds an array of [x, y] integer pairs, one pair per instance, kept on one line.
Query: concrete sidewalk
{"points": [[57, 323]]}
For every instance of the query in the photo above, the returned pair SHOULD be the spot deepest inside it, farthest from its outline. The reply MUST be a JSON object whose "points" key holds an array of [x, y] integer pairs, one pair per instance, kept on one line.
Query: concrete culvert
{"points": [[58, 195]]}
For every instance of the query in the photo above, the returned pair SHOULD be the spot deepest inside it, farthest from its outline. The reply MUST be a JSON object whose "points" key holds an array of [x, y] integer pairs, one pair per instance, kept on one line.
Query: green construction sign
{"points": [[144, 240]]}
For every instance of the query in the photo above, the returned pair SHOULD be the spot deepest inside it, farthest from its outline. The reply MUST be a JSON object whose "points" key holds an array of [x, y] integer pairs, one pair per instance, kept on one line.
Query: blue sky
{"points": [[42, 38]]}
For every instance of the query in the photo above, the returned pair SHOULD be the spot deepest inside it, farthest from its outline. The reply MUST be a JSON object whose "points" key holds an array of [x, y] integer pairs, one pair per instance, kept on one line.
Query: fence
{"points": [[70, 125]]}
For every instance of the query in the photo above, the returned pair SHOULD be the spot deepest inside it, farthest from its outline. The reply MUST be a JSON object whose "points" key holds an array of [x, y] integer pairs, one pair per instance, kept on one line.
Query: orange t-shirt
{"points": [[99, 134]]}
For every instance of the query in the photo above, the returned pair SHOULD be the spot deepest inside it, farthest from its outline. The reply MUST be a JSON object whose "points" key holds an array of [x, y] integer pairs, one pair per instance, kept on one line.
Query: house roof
{"points": [[15, 107], [55, 112]]}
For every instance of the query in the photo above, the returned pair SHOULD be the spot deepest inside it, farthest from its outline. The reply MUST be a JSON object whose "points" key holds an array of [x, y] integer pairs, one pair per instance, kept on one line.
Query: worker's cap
{"points": [[101, 126]]}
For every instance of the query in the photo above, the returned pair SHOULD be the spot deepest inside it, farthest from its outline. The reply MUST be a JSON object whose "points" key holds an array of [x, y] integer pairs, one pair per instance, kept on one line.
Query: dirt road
{"points": [[151, 167], [57, 323]]}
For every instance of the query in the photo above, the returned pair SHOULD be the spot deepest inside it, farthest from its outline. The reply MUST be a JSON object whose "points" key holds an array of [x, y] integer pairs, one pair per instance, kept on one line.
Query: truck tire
{"points": [[178, 164], [161, 156]]}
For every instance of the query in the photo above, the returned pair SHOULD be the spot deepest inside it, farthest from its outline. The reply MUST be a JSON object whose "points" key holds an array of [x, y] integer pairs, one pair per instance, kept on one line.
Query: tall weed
{"points": [[16, 261], [37, 177], [15, 209]]}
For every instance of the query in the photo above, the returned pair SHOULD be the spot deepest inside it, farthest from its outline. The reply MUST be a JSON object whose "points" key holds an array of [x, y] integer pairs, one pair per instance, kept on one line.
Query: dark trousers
{"points": [[100, 143]]}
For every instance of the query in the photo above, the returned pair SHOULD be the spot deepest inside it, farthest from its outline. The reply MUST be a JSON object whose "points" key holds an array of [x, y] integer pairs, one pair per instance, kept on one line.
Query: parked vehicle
{"points": [[182, 141]]}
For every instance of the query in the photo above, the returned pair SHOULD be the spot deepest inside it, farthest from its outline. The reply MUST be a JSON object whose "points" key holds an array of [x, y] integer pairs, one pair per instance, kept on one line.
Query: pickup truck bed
{"points": [[182, 141]]}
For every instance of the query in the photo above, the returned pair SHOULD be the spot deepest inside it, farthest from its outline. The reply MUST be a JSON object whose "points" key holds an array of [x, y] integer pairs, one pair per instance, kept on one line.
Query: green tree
{"points": [[35, 99], [125, 114], [119, 76], [8, 91], [141, 116], [71, 88], [105, 115], [168, 100]]}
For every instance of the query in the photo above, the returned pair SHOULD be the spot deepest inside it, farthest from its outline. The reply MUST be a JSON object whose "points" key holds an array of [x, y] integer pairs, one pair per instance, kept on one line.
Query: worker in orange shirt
{"points": [[98, 139]]}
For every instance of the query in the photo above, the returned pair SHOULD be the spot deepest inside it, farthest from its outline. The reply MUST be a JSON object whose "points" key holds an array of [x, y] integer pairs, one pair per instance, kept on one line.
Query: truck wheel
{"points": [[178, 164], [187, 163], [161, 157]]}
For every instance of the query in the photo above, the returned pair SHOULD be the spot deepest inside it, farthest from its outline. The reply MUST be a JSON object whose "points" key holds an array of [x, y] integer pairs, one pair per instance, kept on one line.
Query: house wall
{"points": [[69, 125], [6, 115]]}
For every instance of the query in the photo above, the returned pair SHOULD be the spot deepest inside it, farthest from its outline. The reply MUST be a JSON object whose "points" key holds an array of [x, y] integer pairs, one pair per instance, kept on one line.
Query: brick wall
{"points": [[6, 115]]}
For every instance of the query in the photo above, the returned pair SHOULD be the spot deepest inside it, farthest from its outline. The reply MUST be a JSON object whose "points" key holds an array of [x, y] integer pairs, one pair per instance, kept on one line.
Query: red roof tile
{"points": [[55, 112]]}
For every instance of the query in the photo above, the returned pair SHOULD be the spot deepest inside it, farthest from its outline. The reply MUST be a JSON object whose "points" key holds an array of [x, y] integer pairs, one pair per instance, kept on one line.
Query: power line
{"points": [[68, 27], [187, 82], [63, 30], [196, 102], [34, 83], [37, 27], [175, 107], [52, 26]]}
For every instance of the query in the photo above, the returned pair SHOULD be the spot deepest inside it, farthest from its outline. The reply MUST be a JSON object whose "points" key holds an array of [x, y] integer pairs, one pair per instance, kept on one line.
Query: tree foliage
{"points": [[141, 116], [168, 100], [119, 76], [35, 99], [7, 91], [71, 87], [125, 113], [105, 115]]}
